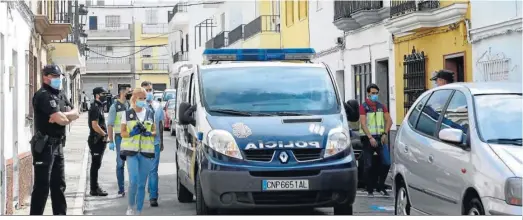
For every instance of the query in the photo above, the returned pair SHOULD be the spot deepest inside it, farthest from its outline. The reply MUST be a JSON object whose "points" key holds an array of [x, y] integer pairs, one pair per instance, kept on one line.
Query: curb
{"points": [[79, 201]]}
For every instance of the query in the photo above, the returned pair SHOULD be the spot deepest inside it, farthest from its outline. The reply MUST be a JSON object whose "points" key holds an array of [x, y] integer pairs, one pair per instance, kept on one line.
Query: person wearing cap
{"points": [[158, 143], [116, 111], [52, 112], [97, 138], [443, 77]]}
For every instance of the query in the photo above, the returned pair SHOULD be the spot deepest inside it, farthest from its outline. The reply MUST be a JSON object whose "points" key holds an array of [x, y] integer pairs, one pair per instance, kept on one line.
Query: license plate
{"points": [[273, 185]]}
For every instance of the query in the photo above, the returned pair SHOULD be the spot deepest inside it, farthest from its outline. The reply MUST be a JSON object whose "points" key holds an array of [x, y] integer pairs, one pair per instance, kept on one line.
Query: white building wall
{"points": [[197, 14], [323, 33], [496, 35], [16, 34]]}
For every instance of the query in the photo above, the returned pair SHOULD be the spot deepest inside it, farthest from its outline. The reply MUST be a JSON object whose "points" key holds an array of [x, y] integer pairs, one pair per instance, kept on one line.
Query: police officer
{"points": [[97, 138], [52, 113], [115, 114], [443, 77], [375, 123]]}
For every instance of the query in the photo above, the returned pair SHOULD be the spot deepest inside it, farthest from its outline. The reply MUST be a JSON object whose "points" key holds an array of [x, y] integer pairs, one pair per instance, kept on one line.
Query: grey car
{"points": [[459, 152]]}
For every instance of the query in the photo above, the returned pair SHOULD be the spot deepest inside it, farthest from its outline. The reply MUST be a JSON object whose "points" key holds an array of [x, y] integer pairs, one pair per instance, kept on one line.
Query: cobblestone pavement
{"points": [[169, 205]]}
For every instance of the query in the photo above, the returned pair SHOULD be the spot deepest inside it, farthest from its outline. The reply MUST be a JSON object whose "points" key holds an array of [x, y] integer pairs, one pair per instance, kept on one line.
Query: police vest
{"points": [[120, 109], [138, 144], [375, 119]]}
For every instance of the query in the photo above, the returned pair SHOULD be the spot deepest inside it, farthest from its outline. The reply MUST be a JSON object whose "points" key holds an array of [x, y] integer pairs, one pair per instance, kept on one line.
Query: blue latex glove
{"points": [[135, 131], [147, 134], [111, 145]]}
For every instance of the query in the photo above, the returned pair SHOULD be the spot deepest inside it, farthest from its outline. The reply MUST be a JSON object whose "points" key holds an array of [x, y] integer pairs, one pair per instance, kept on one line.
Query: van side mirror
{"points": [[352, 109], [185, 114], [451, 135]]}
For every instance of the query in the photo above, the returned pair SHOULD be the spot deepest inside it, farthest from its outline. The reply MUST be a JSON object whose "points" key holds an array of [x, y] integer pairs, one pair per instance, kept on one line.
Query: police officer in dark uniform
{"points": [[97, 139], [52, 113]]}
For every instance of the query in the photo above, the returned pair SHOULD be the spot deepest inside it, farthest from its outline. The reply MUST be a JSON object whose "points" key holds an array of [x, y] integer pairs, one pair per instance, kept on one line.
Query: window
{"points": [[430, 115], [456, 115], [87, 3], [151, 16], [100, 2], [318, 5], [93, 23], [303, 9], [413, 117], [187, 42], [109, 49], [112, 21], [289, 12]]}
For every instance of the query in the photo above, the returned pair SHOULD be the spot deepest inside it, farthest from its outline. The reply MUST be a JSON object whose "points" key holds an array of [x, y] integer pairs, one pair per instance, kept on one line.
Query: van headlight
{"points": [[337, 141], [513, 191], [223, 142]]}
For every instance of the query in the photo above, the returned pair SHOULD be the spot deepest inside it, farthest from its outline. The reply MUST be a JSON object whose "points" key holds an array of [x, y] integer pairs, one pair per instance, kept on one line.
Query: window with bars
{"points": [[496, 69], [414, 81], [151, 16], [303, 9], [362, 78], [289, 15], [112, 21]]}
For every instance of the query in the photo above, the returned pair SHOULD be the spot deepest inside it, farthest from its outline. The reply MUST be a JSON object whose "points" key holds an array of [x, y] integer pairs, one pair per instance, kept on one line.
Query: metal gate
{"points": [[414, 77], [362, 78]]}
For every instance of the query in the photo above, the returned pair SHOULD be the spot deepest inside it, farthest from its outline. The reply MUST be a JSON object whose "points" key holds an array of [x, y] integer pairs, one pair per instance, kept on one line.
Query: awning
{"points": [[67, 54]]}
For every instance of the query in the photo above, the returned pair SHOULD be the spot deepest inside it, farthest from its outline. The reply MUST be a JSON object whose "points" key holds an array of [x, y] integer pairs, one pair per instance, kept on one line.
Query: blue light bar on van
{"points": [[304, 54]]}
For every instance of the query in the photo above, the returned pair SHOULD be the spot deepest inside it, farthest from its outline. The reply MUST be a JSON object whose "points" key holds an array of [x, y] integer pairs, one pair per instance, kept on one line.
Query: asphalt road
{"points": [[169, 205]]}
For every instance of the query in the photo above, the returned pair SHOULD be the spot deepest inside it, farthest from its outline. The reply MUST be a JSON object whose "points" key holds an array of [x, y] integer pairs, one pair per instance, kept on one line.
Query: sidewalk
{"points": [[76, 155]]}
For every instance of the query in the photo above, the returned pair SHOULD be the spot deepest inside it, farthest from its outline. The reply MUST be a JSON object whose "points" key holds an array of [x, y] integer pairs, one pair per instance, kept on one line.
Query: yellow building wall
{"points": [[295, 34], [146, 40], [436, 43], [264, 39], [153, 78]]}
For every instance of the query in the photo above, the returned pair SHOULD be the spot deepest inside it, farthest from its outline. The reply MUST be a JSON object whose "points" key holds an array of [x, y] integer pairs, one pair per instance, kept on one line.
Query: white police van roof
{"points": [[261, 64]]}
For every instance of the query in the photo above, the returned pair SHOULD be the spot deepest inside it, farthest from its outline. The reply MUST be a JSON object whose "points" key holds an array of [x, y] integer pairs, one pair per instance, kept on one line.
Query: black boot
{"points": [[98, 192], [154, 202]]}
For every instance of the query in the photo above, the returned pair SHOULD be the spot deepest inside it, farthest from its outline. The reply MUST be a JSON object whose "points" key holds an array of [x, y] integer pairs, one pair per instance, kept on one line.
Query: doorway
{"points": [[456, 64], [382, 80]]}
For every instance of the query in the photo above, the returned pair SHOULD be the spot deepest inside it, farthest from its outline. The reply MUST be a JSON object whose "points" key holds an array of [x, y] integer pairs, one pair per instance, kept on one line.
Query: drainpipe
{"points": [[467, 25], [2, 159]]}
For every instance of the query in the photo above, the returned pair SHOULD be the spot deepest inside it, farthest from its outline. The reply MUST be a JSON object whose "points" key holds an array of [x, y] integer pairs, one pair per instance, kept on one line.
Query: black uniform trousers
{"points": [[97, 150], [49, 174], [374, 170]]}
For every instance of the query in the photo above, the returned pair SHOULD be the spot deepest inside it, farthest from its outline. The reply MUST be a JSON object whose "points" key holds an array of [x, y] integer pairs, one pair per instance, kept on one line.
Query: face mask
{"points": [[140, 104], [374, 98], [56, 83], [149, 96], [103, 98]]}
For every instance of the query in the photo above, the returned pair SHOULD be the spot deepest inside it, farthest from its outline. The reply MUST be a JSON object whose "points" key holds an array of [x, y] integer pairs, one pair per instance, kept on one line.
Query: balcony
{"points": [[179, 15], [155, 65], [108, 65], [235, 35], [351, 15], [263, 31], [180, 56], [54, 28], [155, 29], [414, 15], [110, 32], [219, 41]]}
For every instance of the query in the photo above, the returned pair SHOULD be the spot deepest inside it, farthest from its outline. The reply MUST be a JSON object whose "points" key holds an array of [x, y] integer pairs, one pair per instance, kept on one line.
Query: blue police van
{"points": [[263, 128]]}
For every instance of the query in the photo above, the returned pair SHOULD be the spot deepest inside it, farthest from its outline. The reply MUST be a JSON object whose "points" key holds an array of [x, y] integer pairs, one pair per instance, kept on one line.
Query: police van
{"points": [[259, 131]]}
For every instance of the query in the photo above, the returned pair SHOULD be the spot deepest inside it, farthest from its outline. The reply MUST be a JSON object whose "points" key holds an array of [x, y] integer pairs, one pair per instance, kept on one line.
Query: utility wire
{"points": [[161, 6], [118, 56], [147, 38], [110, 45]]}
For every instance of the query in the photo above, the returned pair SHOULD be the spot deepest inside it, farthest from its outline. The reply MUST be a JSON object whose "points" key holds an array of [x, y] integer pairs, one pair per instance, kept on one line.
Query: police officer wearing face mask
{"points": [[97, 138], [375, 123], [52, 113]]}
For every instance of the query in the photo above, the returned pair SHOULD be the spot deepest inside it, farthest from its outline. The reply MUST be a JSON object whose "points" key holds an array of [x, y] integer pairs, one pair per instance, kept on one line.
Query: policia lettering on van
{"points": [[269, 127]]}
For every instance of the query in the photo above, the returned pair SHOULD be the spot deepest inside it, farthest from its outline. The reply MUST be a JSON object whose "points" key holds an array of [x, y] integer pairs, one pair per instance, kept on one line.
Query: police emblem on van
{"points": [[241, 130], [282, 144]]}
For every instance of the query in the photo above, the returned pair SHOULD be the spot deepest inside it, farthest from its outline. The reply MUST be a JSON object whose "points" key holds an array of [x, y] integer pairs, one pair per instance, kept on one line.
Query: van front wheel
{"points": [[201, 207]]}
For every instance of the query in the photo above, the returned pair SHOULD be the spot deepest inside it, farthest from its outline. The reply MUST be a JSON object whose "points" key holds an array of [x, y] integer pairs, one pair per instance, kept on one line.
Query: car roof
{"points": [[261, 64], [483, 88], [170, 90]]}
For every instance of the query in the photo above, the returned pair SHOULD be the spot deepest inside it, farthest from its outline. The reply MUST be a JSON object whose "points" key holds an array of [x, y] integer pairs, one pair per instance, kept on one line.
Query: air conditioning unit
{"points": [[148, 66], [146, 55]]}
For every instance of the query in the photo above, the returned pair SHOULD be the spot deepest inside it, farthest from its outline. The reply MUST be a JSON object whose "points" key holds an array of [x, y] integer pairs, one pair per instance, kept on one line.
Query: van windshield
{"points": [[302, 90]]}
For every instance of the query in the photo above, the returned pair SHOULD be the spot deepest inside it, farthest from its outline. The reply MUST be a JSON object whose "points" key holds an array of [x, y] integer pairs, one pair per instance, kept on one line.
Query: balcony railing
{"points": [[155, 64], [110, 27], [180, 7], [104, 64], [345, 9], [400, 7], [218, 41], [155, 28], [106, 60], [236, 34], [180, 56], [264, 23]]}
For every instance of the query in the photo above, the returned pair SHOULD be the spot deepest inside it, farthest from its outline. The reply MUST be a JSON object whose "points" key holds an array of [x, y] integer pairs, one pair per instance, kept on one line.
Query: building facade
{"points": [[110, 42], [428, 36], [496, 40]]}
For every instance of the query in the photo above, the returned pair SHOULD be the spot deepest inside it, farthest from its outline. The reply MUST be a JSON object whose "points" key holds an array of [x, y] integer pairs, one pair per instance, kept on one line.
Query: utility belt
{"points": [[40, 141]]}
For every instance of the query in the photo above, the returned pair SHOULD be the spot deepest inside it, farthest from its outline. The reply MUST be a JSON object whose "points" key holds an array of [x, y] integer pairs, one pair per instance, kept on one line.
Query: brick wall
{"points": [[25, 180]]}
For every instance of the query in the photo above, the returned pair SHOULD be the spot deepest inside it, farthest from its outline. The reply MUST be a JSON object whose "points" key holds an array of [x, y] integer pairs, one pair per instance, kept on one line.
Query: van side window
{"points": [[413, 117], [190, 84], [456, 115], [180, 94], [428, 119]]}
